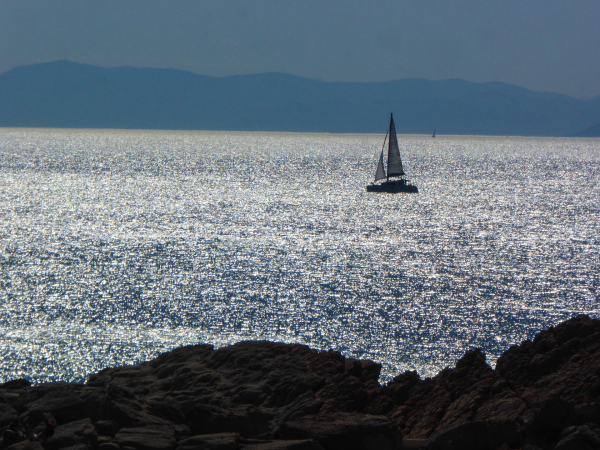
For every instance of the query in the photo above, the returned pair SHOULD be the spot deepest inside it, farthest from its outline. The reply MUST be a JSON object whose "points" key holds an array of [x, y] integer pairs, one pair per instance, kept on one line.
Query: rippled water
{"points": [[118, 245]]}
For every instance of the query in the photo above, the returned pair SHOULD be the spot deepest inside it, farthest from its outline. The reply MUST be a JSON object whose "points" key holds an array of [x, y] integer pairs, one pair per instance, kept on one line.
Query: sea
{"points": [[116, 246]]}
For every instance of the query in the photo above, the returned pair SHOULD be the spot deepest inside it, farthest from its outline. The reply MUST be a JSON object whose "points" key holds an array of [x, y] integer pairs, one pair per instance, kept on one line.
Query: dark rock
{"points": [[302, 406], [453, 397], [509, 432], [217, 441], [587, 413], [129, 413], [469, 436], [232, 421], [415, 443], [95, 403], [8, 415], [472, 358], [344, 431], [81, 432], [251, 395], [10, 437], [26, 445], [166, 409], [267, 391], [104, 440], [15, 384], [58, 399], [9, 397], [307, 444], [551, 415], [108, 446], [584, 437], [561, 363], [182, 431], [501, 409], [398, 389], [363, 370], [199, 417], [146, 438], [248, 422], [562, 360], [76, 447], [106, 427]]}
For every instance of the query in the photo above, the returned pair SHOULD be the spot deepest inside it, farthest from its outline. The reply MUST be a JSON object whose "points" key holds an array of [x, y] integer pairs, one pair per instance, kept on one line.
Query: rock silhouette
{"points": [[542, 394]]}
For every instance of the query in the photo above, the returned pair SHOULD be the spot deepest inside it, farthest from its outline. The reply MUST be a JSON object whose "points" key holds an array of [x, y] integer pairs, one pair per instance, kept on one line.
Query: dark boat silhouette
{"points": [[398, 183]]}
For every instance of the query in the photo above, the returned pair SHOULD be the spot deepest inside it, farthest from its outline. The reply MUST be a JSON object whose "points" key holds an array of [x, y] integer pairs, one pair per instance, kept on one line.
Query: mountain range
{"points": [[71, 95]]}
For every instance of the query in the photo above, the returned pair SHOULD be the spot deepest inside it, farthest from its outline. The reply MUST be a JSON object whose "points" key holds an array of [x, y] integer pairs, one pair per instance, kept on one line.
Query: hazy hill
{"points": [[593, 131], [66, 94]]}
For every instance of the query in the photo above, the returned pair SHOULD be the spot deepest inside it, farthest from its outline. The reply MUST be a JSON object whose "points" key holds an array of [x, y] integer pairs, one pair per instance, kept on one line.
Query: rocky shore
{"points": [[543, 394]]}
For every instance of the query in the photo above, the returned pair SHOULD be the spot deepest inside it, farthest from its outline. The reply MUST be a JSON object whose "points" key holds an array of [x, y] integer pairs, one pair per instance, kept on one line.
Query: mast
{"points": [[394, 162]]}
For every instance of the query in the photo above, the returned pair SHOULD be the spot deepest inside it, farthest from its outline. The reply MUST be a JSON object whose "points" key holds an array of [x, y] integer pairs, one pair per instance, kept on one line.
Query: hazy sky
{"points": [[549, 45]]}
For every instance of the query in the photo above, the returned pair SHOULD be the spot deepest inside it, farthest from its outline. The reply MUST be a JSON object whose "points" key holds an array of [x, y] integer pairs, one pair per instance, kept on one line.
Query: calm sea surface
{"points": [[118, 245]]}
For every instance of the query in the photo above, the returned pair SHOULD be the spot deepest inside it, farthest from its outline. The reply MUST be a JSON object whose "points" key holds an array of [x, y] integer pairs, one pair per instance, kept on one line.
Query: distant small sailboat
{"points": [[433, 135], [394, 168]]}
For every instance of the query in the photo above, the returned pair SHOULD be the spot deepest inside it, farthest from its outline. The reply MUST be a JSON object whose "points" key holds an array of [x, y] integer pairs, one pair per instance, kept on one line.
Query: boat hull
{"points": [[393, 188]]}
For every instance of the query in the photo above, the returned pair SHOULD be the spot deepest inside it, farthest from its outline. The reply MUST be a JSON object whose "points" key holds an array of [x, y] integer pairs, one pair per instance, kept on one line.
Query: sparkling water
{"points": [[116, 246]]}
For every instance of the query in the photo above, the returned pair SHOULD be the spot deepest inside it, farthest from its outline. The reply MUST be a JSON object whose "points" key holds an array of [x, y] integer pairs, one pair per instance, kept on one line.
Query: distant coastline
{"points": [[63, 94]]}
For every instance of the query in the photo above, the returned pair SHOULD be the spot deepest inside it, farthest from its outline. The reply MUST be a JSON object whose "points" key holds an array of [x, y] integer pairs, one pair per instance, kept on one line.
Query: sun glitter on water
{"points": [[118, 245]]}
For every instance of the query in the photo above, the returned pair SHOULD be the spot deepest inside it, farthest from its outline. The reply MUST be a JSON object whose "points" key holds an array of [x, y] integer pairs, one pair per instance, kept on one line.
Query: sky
{"points": [[548, 45]]}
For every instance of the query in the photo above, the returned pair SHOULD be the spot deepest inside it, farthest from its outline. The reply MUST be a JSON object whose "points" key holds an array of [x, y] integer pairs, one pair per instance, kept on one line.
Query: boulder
{"points": [[501, 409], [104, 440], [16, 384], [303, 405], [587, 413], [26, 445], [454, 396], [468, 436], [76, 447], [344, 431], [133, 413], [506, 433], [60, 400], [415, 443], [145, 438], [551, 415], [78, 433], [562, 361], [108, 446], [106, 427], [306, 444], [8, 415], [217, 441], [584, 437]]}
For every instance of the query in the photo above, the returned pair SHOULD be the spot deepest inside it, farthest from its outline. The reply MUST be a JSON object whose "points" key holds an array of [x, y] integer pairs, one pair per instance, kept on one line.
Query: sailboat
{"points": [[398, 183], [433, 135]]}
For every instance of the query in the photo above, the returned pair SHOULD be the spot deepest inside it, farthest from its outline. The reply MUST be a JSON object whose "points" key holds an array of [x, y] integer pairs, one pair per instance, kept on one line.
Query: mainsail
{"points": [[394, 162]]}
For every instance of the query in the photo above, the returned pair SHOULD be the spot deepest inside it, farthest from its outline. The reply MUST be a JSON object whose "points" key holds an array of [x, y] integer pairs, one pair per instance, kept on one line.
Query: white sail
{"points": [[380, 174], [394, 162]]}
